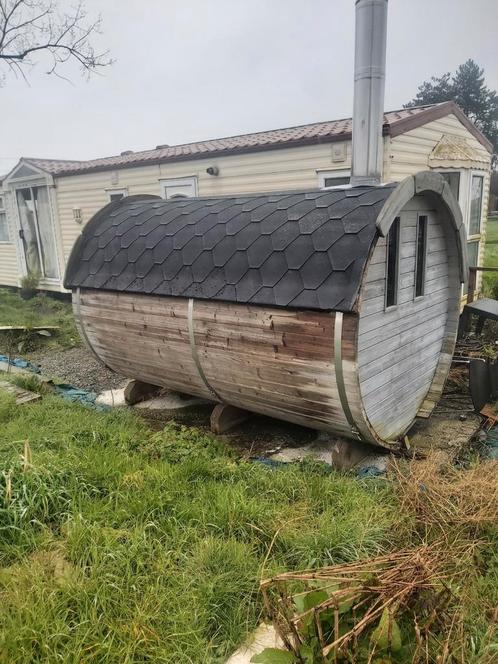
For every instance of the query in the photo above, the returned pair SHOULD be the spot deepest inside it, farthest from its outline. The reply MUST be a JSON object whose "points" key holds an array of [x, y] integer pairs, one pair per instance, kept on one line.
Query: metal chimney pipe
{"points": [[369, 84]]}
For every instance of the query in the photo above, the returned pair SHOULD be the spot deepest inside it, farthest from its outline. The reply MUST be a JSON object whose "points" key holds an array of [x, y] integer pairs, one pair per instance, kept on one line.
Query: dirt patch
{"points": [[78, 367], [453, 422], [258, 436]]}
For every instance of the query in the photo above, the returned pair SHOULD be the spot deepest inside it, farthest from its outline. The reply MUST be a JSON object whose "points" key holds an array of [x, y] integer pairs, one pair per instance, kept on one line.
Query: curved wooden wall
{"points": [[277, 362]]}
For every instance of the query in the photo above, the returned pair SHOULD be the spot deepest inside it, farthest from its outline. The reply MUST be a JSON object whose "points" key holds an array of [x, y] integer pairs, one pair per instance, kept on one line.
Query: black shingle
{"points": [[259, 251], [248, 235], [248, 286], [288, 287], [315, 270], [236, 267], [144, 264], [284, 235], [298, 252], [192, 250], [273, 221], [304, 250], [325, 236], [214, 235], [273, 269], [202, 266], [224, 250], [236, 224]]}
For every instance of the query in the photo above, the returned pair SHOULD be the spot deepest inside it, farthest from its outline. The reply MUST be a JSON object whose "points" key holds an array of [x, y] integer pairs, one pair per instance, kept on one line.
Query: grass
{"points": [[123, 544], [40, 310], [120, 544], [490, 280]]}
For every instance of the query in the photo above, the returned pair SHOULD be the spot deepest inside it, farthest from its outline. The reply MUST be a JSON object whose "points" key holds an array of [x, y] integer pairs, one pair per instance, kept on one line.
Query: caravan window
{"points": [[4, 228]]}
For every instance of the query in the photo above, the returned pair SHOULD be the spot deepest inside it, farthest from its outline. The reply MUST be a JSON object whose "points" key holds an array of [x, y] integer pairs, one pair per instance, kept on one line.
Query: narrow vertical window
{"points": [[420, 256], [476, 204], [392, 264]]}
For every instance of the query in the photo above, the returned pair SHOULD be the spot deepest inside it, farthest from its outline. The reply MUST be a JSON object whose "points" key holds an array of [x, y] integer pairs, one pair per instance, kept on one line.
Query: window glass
{"points": [[116, 194], [334, 178], [392, 264], [179, 188], [4, 229], [334, 182], [473, 253], [420, 256], [473, 257], [37, 231], [475, 204], [453, 179]]}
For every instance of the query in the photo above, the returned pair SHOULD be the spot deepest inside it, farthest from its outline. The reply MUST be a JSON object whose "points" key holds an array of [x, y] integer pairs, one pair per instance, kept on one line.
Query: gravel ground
{"points": [[78, 367]]}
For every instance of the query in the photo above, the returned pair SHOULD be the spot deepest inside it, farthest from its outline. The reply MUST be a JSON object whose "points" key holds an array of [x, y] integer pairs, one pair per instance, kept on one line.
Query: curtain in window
{"points": [[28, 227], [47, 243], [38, 237]]}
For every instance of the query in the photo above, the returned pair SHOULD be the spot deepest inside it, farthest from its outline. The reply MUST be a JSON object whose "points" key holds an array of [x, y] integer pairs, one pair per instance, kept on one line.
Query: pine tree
{"points": [[468, 89]]}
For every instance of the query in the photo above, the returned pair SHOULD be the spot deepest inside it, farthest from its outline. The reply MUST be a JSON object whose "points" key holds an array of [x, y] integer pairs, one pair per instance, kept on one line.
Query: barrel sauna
{"points": [[334, 309]]}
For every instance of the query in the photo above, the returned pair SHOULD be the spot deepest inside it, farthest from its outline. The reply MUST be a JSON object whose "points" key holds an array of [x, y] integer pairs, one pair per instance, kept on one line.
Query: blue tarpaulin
{"points": [[20, 363], [64, 390]]}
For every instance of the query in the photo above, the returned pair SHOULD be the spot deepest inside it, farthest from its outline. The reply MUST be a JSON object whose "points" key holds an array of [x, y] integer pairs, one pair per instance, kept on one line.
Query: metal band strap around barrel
{"points": [[339, 374], [195, 354]]}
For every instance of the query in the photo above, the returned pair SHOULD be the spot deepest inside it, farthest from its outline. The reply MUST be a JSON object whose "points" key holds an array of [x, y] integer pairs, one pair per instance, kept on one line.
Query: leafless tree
{"points": [[29, 28]]}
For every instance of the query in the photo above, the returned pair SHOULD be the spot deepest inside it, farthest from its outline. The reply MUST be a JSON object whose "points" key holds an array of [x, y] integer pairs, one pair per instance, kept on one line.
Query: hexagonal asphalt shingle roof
{"points": [[303, 250]]}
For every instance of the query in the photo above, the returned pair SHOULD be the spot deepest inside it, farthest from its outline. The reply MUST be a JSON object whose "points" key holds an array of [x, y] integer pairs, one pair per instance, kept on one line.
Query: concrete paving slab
{"points": [[170, 401], [337, 452], [112, 398], [165, 401], [264, 636]]}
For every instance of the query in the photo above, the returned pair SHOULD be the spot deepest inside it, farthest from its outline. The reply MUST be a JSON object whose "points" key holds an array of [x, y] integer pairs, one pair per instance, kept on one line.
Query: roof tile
{"points": [[310, 133]]}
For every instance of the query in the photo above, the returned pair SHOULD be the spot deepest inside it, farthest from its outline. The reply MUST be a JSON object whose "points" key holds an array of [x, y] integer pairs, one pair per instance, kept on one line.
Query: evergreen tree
{"points": [[468, 89]]}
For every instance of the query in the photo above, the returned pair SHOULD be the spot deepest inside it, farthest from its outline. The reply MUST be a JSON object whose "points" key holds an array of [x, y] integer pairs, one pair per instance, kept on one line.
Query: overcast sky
{"points": [[188, 70]]}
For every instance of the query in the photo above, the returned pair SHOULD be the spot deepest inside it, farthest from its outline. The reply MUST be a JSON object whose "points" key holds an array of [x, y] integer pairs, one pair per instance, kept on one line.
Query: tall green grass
{"points": [[490, 279], [120, 544], [40, 310]]}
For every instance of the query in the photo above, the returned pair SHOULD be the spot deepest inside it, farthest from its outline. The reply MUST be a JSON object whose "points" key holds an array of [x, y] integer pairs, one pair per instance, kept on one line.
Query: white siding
{"points": [[9, 266], [9, 271], [411, 152], [271, 170]]}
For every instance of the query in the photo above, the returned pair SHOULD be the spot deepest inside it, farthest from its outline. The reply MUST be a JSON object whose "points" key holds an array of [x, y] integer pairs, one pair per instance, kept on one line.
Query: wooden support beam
{"points": [[225, 417], [136, 391]]}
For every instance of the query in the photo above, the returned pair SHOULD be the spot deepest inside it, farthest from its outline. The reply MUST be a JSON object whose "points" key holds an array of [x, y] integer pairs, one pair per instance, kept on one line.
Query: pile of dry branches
{"points": [[445, 497], [407, 604], [354, 612]]}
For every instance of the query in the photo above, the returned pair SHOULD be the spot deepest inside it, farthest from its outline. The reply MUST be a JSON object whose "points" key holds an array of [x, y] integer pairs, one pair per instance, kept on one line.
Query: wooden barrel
{"points": [[333, 309]]}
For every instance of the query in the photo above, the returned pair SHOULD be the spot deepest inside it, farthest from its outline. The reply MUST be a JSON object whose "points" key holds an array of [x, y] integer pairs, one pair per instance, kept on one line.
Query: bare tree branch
{"points": [[32, 27]]}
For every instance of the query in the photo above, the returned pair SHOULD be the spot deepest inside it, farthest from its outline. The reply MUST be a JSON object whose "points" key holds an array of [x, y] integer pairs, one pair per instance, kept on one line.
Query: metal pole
{"points": [[369, 84]]}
